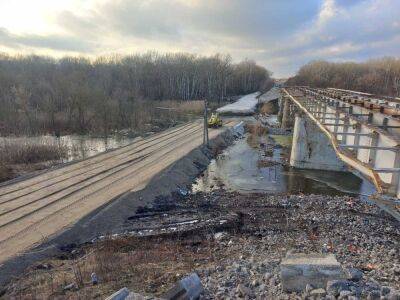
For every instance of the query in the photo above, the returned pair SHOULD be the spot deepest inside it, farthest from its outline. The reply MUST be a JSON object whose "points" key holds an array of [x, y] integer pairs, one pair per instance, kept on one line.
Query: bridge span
{"points": [[363, 131]]}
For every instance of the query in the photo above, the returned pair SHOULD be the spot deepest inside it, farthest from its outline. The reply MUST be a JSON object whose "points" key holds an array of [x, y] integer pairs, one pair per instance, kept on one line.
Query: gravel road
{"points": [[37, 208]]}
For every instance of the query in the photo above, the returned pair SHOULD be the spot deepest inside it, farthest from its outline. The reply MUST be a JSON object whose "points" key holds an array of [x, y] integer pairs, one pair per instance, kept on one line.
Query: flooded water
{"points": [[79, 146], [246, 168]]}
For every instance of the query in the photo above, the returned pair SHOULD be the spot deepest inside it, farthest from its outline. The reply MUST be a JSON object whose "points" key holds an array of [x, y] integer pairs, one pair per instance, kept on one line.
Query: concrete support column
{"points": [[311, 149], [286, 114], [281, 105]]}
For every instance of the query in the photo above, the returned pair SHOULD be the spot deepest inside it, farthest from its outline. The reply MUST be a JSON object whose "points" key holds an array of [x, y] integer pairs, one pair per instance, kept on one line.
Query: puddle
{"points": [[246, 168]]}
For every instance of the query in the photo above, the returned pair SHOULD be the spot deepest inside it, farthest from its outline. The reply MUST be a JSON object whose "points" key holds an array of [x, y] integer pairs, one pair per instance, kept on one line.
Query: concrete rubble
{"points": [[350, 251], [362, 238]]}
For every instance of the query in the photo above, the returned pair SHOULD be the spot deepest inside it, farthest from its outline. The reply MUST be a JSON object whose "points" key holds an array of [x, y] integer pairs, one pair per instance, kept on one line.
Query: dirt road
{"points": [[34, 209]]}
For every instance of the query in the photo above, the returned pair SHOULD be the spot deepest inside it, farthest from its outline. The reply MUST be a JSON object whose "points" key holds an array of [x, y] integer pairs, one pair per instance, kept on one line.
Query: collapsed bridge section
{"points": [[364, 132]]}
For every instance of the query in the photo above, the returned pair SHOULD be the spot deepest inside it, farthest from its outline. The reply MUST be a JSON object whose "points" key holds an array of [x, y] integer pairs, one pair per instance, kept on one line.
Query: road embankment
{"points": [[163, 173]]}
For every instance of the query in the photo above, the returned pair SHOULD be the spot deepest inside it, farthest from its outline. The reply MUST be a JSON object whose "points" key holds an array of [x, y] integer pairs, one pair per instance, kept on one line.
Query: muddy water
{"points": [[245, 167], [79, 146]]}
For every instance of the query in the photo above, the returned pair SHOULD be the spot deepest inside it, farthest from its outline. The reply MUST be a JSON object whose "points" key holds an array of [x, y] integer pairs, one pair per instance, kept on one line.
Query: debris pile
{"points": [[363, 239]]}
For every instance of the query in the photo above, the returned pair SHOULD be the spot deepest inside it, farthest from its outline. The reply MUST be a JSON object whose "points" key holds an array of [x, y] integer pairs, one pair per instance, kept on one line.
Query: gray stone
{"points": [[298, 270], [309, 288], [220, 235], [396, 269], [318, 293], [334, 287], [374, 295], [385, 290], [255, 283], [393, 296], [267, 276], [69, 287], [119, 295], [345, 294], [354, 274], [243, 291]]}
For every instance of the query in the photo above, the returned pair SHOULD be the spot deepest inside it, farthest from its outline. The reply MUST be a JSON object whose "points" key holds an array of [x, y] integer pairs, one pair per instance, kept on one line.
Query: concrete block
{"points": [[298, 270], [120, 295], [189, 288]]}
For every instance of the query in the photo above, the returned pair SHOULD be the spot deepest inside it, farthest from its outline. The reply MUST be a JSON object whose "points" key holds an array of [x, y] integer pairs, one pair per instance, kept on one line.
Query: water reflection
{"points": [[245, 168], [79, 146]]}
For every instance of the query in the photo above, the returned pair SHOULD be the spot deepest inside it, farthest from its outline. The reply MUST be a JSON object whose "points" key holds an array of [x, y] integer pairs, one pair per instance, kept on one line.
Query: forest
{"points": [[43, 95], [378, 76]]}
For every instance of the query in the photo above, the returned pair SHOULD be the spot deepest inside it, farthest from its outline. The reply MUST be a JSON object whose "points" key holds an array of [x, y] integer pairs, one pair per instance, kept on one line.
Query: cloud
{"points": [[362, 30], [280, 34], [55, 42]]}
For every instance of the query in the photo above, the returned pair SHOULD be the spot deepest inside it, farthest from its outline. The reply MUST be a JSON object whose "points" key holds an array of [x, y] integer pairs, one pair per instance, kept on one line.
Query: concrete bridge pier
{"points": [[288, 110], [280, 112], [311, 149]]}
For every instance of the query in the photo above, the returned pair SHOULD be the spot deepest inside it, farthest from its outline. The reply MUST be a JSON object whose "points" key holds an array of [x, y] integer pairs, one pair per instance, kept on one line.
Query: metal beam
{"points": [[370, 147], [387, 170], [354, 133], [332, 124]]}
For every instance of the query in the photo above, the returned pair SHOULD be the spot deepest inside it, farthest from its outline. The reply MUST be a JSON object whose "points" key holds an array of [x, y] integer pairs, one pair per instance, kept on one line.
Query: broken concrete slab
{"points": [[298, 270], [189, 288], [119, 295], [126, 294]]}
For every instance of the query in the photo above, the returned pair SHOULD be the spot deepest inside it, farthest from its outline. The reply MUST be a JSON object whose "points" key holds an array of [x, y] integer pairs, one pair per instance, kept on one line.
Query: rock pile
{"points": [[365, 241]]}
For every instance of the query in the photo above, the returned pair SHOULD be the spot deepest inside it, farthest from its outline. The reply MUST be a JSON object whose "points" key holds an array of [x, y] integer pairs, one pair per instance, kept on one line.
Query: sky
{"points": [[281, 35]]}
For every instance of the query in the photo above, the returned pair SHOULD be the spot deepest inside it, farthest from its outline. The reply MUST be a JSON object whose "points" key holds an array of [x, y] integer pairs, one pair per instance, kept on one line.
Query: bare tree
{"points": [[378, 76]]}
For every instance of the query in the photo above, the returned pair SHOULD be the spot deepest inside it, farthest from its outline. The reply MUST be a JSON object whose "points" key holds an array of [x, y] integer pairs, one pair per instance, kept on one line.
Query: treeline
{"points": [[78, 95], [378, 76]]}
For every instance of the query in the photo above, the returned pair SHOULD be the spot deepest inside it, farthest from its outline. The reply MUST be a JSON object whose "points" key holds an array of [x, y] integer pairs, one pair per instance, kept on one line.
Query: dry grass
{"points": [[159, 115], [145, 266], [17, 158], [6, 173], [194, 107], [270, 108], [283, 140], [256, 129], [28, 153]]}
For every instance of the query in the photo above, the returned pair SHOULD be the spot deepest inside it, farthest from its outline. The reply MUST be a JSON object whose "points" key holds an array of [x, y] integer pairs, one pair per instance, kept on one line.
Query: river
{"points": [[245, 168]]}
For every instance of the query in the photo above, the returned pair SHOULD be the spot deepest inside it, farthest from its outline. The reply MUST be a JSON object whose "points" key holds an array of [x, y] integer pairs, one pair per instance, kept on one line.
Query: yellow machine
{"points": [[214, 121]]}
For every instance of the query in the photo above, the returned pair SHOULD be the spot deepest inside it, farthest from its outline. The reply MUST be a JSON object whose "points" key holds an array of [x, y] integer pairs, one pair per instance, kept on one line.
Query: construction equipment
{"points": [[214, 121]]}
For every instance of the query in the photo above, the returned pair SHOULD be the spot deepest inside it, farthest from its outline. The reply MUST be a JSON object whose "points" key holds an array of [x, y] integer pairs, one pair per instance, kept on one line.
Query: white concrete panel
{"points": [[385, 159], [311, 149], [350, 138], [363, 154]]}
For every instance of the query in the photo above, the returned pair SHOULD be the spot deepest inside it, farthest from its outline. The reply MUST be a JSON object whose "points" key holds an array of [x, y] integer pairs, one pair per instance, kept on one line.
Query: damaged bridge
{"points": [[341, 130]]}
